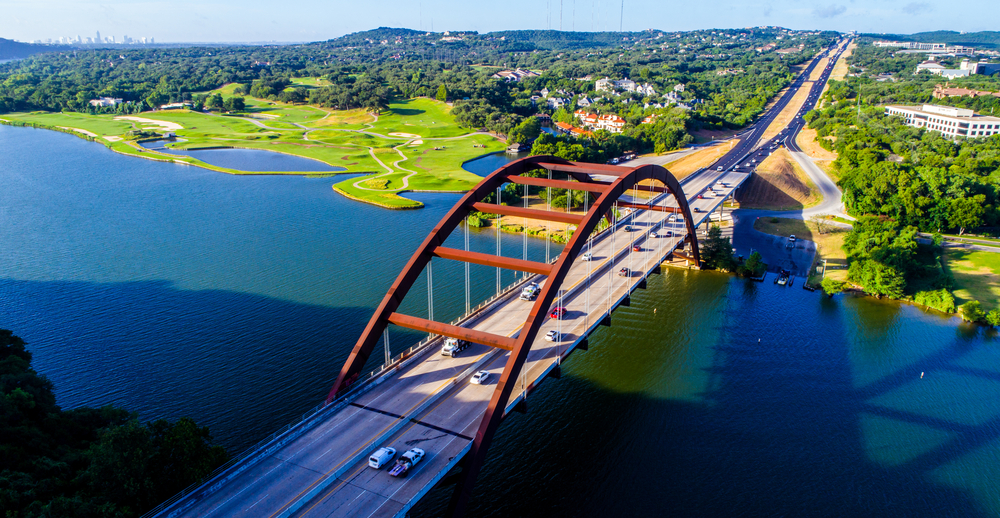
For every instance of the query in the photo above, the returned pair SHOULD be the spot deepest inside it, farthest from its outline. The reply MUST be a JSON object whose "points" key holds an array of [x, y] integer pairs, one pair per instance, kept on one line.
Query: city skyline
{"points": [[254, 21]]}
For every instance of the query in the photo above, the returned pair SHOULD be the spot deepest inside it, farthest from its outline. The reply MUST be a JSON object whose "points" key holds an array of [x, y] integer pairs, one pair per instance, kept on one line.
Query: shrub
{"points": [[832, 287], [993, 317], [972, 311], [941, 300]]}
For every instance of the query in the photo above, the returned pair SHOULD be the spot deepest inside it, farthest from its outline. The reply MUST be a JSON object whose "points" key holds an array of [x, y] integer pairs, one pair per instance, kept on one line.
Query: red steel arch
{"points": [[624, 178]]}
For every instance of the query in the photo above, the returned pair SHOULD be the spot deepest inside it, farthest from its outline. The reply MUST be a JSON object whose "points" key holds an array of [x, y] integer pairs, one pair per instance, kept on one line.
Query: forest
{"points": [[87, 462], [370, 69]]}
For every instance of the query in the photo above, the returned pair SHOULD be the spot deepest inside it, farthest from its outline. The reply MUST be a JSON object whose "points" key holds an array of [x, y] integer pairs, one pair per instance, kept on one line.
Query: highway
{"points": [[320, 468]]}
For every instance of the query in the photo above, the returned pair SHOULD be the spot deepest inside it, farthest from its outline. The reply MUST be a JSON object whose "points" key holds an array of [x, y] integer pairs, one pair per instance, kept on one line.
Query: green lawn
{"points": [[977, 276], [432, 152]]}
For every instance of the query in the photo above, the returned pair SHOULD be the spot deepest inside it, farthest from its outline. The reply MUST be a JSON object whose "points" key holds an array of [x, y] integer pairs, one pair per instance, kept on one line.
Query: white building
{"points": [[951, 122], [105, 101]]}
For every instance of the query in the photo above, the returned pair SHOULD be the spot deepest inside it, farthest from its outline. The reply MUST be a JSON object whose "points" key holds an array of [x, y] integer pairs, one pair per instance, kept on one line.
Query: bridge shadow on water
{"points": [[242, 364], [775, 428]]}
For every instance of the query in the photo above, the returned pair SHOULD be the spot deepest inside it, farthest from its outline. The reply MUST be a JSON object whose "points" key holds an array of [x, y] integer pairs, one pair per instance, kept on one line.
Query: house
{"points": [[646, 89], [106, 101], [556, 102], [514, 75], [931, 66], [612, 123], [604, 85], [625, 84], [584, 101], [545, 92], [679, 87], [650, 119]]}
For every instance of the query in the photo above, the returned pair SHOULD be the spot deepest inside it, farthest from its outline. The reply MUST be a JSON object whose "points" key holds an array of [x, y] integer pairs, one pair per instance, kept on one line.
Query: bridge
{"points": [[633, 219]]}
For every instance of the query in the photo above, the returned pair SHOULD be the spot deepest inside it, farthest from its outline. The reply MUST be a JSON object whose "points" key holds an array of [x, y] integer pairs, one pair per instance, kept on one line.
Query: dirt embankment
{"points": [[778, 184]]}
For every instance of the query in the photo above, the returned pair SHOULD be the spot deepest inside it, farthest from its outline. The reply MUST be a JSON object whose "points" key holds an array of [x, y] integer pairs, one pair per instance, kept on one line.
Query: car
{"points": [[628, 228], [588, 256], [558, 313], [637, 248], [480, 378], [700, 196], [624, 272], [381, 457], [653, 234], [697, 209], [672, 218], [406, 462], [453, 346], [669, 234], [553, 336], [718, 168]]}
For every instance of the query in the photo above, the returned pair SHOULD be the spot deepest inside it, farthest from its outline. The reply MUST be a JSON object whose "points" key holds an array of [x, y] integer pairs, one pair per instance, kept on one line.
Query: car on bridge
{"points": [[553, 336], [653, 234], [406, 462], [480, 378], [381, 457], [453, 346], [636, 248], [587, 256], [558, 313], [624, 272], [530, 292], [628, 228]]}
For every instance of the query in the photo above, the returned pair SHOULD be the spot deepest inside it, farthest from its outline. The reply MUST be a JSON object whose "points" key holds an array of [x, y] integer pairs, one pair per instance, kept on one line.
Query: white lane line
{"points": [[255, 503], [258, 479]]}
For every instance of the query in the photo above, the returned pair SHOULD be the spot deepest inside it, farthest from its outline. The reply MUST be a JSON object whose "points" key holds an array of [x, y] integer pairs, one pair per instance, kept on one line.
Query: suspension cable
{"points": [[499, 229], [385, 341], [468, 301], [430, 290]]}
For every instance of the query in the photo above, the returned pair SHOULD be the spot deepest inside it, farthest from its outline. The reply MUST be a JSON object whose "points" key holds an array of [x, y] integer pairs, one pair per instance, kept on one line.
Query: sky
{"points": [[314, 20]]}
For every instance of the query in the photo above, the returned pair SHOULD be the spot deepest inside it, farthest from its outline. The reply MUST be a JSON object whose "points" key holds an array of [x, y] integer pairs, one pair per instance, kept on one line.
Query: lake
{"points": [[176, 291]]}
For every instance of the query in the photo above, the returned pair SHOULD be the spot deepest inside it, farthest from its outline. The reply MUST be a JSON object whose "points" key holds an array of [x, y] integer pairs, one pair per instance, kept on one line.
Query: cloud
{"points": [[768, 10], [915, 8], [829, 11]]}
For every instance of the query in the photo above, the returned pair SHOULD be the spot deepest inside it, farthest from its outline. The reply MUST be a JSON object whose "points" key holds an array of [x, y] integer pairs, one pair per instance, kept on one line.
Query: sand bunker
{"points": [[169, 126], [85, 132], [405, 135]]}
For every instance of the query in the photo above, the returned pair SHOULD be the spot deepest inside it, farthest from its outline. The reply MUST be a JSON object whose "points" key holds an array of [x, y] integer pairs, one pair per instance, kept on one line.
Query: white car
{"points": [[553, 336], [480, 378], [381, 457], [653, 234], [588, 256]]}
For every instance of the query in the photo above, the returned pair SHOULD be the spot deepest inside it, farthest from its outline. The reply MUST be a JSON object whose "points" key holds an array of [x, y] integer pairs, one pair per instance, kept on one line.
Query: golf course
{"points": [[415, 145]]}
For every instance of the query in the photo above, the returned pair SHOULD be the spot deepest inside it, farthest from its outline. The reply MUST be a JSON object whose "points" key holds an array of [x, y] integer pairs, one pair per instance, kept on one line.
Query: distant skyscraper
{"points": [[98, 39]]}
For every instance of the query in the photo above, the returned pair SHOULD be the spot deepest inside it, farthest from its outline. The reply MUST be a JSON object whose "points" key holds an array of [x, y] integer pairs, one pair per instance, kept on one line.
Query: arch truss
{"points": [[608, 182]]}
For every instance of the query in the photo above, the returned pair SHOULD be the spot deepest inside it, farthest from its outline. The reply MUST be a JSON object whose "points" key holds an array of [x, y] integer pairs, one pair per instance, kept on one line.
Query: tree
{"points": [[527, 131], [442, 93], [234, 104], [832, 287], [967, 212], [972, 311], [214, 102], [717, 251], [754, 266], [993, 317]]}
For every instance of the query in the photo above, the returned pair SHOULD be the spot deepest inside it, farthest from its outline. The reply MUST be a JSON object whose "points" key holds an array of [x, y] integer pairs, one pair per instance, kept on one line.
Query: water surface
{"points": [[176, 291]]}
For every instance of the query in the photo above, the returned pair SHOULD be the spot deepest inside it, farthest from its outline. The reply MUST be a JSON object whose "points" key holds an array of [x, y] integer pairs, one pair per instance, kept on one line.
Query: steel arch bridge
{"points": [[607, 181]]}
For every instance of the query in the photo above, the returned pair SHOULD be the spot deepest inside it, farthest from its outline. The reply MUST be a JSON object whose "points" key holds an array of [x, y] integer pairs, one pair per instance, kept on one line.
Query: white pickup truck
{"points": [[406, 462]]}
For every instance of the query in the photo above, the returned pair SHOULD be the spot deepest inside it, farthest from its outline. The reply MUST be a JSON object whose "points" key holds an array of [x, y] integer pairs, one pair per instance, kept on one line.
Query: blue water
{"points": [[248, 159], [176, 291]]}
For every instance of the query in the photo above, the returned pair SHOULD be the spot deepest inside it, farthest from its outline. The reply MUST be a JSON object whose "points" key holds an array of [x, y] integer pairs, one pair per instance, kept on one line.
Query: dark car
{"points": [[623, 272]]}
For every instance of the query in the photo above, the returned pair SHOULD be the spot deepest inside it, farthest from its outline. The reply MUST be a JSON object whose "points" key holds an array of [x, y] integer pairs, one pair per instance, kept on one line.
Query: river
{"points": [[175, 291]]}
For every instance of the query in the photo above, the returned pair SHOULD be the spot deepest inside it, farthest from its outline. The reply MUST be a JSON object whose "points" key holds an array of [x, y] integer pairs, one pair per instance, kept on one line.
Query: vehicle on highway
{"points": [[453, 346], [553, 336], [669, 234], [530, 292], [480, 378], [637, 248], [718, 168], [624, 272], [557, 313], [406, 462], [587, 256], [381, 457], [628, 228], [653, 234], [672, 218], [697, 209]]}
